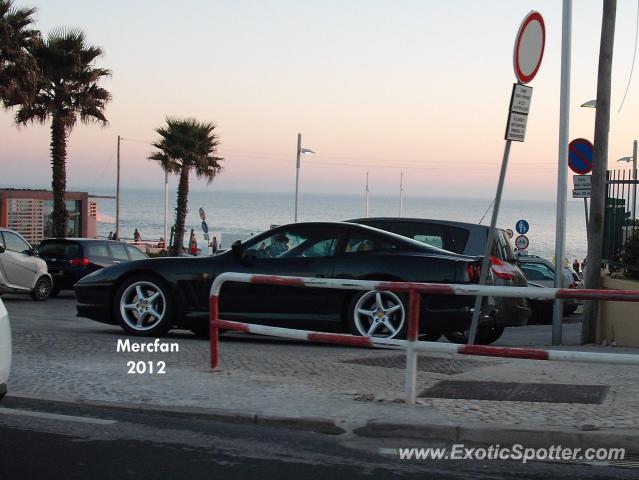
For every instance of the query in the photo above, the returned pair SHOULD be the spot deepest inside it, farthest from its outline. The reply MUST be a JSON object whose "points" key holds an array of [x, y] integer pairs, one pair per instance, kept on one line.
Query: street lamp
{"points": [[633, 159], [590, 104], [300, 151]]}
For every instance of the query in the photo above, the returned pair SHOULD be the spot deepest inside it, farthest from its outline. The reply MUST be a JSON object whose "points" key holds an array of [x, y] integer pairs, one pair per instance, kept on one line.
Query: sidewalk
{"points": [[321, 387]]}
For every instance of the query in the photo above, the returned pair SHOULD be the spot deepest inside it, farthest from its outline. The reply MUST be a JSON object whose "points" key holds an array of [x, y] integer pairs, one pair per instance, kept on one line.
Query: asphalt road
{"points": [[41, 440]]}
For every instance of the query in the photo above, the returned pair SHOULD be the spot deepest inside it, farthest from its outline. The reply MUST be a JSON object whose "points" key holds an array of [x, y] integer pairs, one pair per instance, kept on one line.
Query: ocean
{"points": [[251, 213]]}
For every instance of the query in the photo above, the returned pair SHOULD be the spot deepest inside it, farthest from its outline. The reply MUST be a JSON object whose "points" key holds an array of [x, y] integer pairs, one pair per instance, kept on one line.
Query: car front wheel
{"points": [[42, 289], [143, 306]]}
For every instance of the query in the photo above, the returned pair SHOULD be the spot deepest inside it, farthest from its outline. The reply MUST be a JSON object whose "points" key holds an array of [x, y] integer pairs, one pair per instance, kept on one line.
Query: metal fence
{"points": [[620, 225]]}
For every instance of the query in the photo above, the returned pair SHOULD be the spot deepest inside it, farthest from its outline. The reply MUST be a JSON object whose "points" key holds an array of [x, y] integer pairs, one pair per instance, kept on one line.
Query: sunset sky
{"points": [[381, 86]]}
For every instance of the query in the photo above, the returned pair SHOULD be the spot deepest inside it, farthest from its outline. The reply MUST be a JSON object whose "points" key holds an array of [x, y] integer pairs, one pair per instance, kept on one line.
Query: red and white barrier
{"points": [[411, 345]]}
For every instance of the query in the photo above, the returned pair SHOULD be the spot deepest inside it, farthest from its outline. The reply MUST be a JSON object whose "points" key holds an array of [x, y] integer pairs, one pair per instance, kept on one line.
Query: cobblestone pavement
{"points": [[59, 355]]}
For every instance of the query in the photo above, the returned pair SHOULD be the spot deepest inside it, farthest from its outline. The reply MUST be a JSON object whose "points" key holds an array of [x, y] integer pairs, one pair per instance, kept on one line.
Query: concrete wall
{"points": [[619, 321]]}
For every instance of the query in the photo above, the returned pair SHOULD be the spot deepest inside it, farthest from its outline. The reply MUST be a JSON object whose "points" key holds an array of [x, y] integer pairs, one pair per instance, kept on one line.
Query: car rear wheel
{"points": [[378, 314], [484, 336], [42, 289], [143, 306]]}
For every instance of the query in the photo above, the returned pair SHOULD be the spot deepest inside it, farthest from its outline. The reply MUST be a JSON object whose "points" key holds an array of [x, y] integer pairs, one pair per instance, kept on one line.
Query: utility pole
{"points": [[117, 197], [366, 195], [401, 193], [297, 172], [562, 167], [599, 168]]}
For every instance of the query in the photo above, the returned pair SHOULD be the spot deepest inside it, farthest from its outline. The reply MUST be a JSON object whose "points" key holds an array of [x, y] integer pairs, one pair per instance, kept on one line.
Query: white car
{"points": [[21, 271], [5, 349]]}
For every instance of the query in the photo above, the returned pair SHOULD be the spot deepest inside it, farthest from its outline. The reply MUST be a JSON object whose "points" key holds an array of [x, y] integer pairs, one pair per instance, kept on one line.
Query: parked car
{"points": [[21, 271], [541, 272], [5, 349], [70, 259], [468, 239], [150, 297]]}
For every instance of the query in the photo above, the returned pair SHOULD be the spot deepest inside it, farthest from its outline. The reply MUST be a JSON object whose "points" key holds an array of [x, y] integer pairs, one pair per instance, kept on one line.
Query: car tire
{"points": [[389, 321], [143, 306], [430, 336], [484, 336], [571, 309], [42, 289]]}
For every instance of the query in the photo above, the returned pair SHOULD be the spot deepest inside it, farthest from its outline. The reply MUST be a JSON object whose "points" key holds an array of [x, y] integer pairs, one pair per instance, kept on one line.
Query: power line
{"points": [[634, 56]]}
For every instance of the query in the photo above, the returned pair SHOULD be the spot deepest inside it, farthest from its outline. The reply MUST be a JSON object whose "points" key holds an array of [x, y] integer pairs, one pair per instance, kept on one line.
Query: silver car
{"points": [[541, 272], [5, 349], [21, 271]]}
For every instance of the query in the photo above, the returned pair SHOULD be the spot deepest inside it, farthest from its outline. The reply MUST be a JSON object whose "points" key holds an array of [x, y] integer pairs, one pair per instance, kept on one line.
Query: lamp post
{"points": [[633, 159], [166, 207], [300, 151], [117, 197]]}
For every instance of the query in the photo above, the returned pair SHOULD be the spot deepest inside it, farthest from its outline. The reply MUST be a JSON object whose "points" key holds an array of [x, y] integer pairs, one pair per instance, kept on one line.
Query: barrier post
{"points": [[214, 331], [411, 353]]}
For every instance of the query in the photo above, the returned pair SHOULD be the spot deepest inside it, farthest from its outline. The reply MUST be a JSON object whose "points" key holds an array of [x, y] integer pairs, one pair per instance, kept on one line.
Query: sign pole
{"points": [[489, 243], [527, 55], [562, 167], [586, 210]]}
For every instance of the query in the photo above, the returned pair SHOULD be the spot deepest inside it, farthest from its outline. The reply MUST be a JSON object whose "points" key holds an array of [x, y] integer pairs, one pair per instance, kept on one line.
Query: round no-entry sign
{"points": [[529, 47]]}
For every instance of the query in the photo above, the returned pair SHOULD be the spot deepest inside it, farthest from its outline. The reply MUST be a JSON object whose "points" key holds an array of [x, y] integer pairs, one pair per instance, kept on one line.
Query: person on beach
{"points": [[192, 244], [213, 246], [110, 237], [137, 238], [575, 265]]}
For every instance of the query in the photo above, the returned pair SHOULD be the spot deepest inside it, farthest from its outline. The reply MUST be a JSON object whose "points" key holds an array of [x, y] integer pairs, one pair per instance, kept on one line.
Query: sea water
{"points": [[252, 212]]}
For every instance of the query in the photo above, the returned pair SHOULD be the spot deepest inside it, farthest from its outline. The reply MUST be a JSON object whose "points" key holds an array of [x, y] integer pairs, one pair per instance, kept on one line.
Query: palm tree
{"points": [[66, 88], [186, 145], [17, 66]]}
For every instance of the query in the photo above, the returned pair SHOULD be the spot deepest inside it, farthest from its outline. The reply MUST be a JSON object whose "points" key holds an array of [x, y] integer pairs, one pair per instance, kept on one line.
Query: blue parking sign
{"points": [[522, 227]]}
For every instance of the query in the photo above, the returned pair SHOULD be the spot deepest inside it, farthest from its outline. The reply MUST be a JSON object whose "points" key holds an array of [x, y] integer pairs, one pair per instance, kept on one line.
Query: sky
{"points": [[414, 86]]}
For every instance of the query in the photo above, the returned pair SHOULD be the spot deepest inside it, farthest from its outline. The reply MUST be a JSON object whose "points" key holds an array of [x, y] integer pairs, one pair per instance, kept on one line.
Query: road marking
{"points": [[56, 416]]}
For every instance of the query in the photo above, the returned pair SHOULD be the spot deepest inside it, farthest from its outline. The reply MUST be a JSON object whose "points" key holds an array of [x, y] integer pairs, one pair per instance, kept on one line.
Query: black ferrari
{"points": [[150, 297]]}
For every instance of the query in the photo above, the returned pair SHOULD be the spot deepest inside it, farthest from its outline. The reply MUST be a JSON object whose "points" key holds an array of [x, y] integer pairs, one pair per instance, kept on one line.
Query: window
{"points": [[537, 271], [360, 243], [97, 250], [135, 253], [432, 240], [15, 243], [59, 249], [299, 242], [118, 251], [275, 245]]}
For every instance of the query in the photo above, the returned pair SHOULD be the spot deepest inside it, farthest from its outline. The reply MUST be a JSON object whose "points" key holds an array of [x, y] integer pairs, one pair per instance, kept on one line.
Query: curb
{"points": [[449, 433], [505, 435], [309, 424]]}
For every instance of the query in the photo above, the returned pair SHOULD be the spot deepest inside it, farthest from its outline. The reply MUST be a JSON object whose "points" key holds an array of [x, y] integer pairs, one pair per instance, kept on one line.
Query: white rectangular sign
{"points": [[581, 193], [516, 128], [520, 100], [582, 182]]}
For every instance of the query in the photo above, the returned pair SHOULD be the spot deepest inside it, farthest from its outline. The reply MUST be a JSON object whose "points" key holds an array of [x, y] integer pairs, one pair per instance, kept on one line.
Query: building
{"points": [[29, 213]]}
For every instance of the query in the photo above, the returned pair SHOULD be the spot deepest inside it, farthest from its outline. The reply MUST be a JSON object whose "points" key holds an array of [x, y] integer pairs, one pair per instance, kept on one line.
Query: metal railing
{"points": [[411, 345]]}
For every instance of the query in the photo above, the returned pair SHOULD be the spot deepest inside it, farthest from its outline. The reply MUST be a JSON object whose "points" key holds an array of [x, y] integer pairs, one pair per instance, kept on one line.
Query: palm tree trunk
{"points": [[59, 182], [181, 210]]}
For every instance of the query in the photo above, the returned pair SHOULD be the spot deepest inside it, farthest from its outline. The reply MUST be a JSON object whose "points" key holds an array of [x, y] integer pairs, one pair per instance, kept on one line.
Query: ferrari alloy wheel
{"points": [[378, 314], [143, 306]]}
